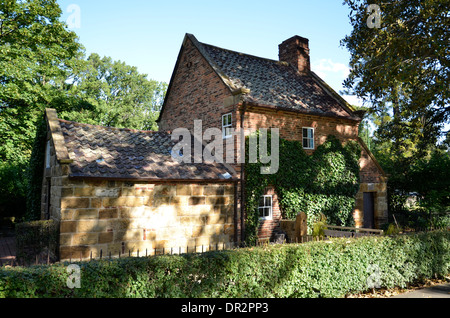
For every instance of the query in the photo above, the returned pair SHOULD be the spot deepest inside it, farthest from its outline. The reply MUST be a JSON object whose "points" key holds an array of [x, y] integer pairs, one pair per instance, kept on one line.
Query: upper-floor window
{"points": [[227, 125], [308, 137], [265, 207]]}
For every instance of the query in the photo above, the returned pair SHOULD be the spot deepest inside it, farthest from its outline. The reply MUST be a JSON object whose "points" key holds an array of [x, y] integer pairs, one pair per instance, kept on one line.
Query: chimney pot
{"points": [[295, 51]]}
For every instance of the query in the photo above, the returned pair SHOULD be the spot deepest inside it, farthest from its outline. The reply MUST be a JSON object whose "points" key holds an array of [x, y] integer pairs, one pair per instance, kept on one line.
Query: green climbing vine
{"points": [[325, 182]]}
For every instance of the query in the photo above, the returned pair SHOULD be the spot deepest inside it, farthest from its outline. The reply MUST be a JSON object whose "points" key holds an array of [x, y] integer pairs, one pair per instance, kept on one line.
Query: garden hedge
{"points": [[315, 269]]}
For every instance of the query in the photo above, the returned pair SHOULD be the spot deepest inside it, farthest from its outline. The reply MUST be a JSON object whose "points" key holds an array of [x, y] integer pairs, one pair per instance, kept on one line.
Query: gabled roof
{"points": [[275, 84], [116, 153]]}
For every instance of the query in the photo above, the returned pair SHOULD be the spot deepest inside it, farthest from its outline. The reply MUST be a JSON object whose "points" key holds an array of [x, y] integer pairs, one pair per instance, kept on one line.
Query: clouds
{"points": [[324, 67], [334, 74]]}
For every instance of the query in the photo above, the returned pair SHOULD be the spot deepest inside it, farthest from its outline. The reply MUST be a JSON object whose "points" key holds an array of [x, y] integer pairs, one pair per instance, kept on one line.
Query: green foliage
{"points": [[401, 70], [114, 94], [43, 65], [36, 51], [325, 182], [315, 269], [35, 173], [319, 226], [428, 182], [13, 185]]}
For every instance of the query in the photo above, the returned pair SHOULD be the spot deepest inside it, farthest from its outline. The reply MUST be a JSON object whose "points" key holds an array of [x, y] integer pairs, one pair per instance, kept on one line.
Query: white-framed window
{"points": [[265, 207], [308, 138], [227, 124]]}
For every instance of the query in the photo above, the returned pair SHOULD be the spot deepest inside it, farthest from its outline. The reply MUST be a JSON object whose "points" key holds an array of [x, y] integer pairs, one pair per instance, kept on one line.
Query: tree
{"points": [[35, 51], [402, 69], [42, 64], [115, 94]]}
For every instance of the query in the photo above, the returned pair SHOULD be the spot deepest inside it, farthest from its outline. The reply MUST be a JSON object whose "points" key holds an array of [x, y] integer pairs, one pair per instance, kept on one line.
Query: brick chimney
{"points": [[295, 51]]}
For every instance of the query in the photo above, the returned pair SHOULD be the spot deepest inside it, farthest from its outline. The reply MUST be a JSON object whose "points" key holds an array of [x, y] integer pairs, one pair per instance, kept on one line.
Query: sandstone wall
{"points": [[118, 217]]}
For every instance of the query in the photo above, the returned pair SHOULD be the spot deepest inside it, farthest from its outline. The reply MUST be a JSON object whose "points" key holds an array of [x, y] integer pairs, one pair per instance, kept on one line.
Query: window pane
{"points": [[226, 120], [305, 143], [308, 138], [308, 133], [265, 206], [261, 201]]}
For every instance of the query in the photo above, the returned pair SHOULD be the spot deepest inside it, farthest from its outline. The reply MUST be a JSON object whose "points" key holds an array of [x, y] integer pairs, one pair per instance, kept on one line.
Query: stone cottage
{"points": [[117, 191], [232, 90]]}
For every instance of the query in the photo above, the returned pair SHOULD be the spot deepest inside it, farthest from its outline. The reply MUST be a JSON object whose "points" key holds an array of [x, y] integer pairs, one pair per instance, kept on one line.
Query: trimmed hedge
{"points": [[314, 269]]}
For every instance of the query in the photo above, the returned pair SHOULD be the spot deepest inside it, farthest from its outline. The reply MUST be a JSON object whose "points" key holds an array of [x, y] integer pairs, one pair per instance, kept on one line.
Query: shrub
{"points": [[315, 269]]}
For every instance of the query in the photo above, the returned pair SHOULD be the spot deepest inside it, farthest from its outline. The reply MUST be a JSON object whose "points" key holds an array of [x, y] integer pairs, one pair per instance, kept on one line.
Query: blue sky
{"points": [[148, 34]]}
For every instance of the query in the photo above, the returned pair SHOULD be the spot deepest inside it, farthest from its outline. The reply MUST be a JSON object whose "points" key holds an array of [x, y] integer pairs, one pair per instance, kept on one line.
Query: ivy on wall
{"points": [[35, 172], [325, 182]]}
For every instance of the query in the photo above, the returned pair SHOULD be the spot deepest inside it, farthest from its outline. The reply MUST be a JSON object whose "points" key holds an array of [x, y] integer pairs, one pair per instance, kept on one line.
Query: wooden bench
{"points": [[337, 233], [345, 231]]}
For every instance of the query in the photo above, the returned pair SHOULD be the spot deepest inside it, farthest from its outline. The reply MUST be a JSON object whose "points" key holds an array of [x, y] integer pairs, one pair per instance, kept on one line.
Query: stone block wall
{"points": [[53, 175], [380, 204], [118, 217]]}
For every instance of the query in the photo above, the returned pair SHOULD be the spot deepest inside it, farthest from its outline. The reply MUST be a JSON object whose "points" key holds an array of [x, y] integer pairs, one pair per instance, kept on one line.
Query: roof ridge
{"points": [[246, 54], [269, 81], [110, 127], [216, 68], [324, 86]]}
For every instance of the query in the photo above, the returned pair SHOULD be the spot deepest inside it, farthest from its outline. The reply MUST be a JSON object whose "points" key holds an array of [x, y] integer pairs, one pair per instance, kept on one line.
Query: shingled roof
{"points": [[117, 153], [271, 83]]}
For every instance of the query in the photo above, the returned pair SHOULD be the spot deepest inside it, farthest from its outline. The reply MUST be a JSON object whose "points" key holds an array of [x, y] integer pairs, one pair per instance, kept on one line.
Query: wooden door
{"points": [[369, 210]]}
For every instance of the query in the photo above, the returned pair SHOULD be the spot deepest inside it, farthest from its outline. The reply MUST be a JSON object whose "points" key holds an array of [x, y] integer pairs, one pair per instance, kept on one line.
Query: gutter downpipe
{"points": [[244, 107]]}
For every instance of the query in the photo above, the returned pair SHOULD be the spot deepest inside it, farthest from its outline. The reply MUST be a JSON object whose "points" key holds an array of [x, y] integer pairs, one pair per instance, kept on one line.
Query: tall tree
{"points": [[117, 95], [401, 69], [42, 64], [36, 50]]}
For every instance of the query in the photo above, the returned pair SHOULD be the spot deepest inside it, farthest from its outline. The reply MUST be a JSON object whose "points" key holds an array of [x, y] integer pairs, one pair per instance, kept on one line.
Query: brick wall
{"points": [[369, 172], [291, 124], [267, 227], [196, 92]]}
